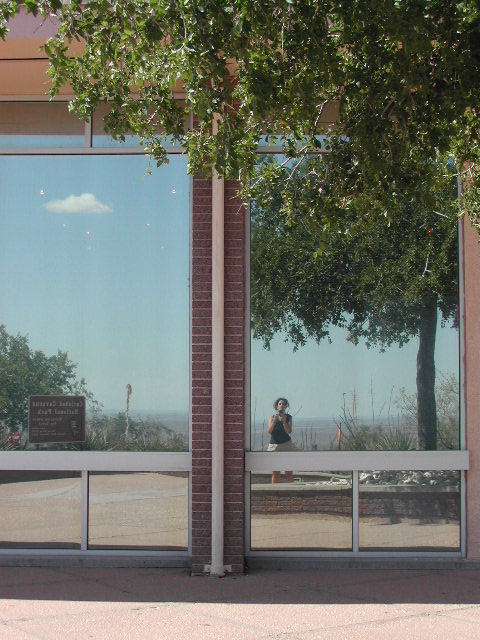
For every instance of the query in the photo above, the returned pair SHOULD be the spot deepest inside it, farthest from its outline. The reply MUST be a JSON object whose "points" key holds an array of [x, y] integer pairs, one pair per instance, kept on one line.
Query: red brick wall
{"points": [[202, 375], [235, 292], [434, 505]]}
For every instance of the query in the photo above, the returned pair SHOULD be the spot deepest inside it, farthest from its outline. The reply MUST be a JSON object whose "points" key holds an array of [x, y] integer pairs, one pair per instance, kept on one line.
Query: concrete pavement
{"points": [[322, 604]]}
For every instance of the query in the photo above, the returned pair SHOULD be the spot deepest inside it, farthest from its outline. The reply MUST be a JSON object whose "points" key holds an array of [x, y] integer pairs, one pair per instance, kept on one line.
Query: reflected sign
{"points": [[56, 419]]}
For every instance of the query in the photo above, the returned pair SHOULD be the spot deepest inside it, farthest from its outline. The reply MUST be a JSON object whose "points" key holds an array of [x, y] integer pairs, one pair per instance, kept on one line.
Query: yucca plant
{"points": [[398, 438]]}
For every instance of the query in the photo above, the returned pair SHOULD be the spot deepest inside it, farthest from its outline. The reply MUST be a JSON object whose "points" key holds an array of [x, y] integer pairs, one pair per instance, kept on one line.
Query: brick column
{"points": [[201, 373], [202, 376], [235, 291]]}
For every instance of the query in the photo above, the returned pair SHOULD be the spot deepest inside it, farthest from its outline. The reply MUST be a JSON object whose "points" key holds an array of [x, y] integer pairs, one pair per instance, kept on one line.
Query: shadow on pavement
{"points": [[332, 586]]}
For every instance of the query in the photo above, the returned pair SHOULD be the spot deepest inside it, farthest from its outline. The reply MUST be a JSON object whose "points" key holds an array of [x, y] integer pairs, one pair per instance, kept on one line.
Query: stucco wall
{"points": [[472, 385]]}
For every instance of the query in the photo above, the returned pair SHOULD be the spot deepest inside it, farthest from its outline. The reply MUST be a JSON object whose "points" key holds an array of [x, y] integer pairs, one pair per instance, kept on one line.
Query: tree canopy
{"points": [[372, 280], [384, 282], [403, 74], [24, 372]]}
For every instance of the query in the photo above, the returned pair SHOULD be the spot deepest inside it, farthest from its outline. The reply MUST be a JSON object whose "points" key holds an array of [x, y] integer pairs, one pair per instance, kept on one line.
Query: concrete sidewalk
{"points": [[162, 604]]}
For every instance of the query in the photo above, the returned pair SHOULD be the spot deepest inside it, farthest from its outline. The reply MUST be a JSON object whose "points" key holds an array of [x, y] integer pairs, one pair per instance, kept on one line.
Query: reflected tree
{"points": [[384, 282], [25, 372]]}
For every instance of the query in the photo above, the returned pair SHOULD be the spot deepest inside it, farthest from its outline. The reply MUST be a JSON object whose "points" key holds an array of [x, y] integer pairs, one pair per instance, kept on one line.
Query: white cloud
{"points": [[86, 203]]}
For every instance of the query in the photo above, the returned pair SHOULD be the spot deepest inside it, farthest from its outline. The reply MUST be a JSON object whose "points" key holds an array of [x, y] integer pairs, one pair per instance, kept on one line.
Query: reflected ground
{"points": [[40, 510], [138, 511], [398, 511], [312, 512], [126, 510], [409, 511]]}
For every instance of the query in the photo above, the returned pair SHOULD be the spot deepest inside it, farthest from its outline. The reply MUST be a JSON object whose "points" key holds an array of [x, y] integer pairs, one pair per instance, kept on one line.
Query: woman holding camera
{"points": [[280, 428]]}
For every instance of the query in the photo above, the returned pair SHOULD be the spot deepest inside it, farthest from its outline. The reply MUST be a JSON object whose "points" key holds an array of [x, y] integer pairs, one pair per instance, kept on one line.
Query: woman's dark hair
{"points": [[275, 404]]}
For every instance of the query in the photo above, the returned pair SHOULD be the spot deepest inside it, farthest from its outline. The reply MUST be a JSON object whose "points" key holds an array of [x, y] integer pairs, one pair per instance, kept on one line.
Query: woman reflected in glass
{"points": [[280, 428]]}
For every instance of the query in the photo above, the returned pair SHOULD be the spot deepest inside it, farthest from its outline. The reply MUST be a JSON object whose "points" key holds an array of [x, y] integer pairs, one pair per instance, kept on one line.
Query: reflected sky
{"points": [[94, 257], [42, 142], [131, 142], [319, 379], [316, 377]]}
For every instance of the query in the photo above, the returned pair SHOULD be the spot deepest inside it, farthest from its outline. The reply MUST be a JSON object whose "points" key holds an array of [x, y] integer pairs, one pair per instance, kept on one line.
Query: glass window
{"points": [[94, 297], [361, 337], [138, 511], [37, 125], [301, 511], [409, 511], [40, 509]]}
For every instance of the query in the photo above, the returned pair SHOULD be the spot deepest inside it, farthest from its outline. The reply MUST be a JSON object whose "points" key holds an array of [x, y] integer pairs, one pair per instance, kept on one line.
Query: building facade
{"points": [[136, 292]]}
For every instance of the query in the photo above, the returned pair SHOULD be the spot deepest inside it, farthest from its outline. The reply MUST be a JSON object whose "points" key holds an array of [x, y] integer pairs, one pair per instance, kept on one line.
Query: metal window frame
{"points": [[321, 461], [89, 461], [355, 461]]}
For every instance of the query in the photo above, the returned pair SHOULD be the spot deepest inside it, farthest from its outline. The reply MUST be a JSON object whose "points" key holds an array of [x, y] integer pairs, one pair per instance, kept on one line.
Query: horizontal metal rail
{"points": [[94, 461], [358, 460]]}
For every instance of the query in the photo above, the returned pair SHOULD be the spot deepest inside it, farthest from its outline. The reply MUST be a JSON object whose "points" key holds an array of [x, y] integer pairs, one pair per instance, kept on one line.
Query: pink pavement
{"points": [[162, 604]]}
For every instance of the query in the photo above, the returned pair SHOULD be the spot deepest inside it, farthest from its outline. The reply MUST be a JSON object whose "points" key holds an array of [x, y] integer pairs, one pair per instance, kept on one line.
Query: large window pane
{"points": [[409, 511], [39, 125], [312, 512], [94, 297], [358, 330], [40, 509], [138, 511]]}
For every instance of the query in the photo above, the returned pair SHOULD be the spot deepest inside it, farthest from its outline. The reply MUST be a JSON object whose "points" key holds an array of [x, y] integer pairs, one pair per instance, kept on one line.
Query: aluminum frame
{"points": [[87, 461], [356, 461]]}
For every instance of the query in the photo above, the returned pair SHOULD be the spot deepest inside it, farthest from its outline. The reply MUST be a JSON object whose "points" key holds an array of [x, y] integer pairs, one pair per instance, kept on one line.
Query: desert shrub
{"points": [[397, 438], [448, 410]]}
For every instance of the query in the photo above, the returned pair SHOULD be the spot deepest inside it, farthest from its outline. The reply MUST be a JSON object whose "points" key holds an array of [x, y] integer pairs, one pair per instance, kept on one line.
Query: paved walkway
{"points": [[164, 604]]}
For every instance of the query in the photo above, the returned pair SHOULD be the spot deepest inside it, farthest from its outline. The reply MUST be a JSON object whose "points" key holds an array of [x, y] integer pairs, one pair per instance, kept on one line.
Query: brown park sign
{"points": [[56, 419]]}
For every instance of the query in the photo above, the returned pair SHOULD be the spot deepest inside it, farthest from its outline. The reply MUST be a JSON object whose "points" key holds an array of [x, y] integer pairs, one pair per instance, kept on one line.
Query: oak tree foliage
{"points": [[403, 79], [403, 73], [384, 282]]}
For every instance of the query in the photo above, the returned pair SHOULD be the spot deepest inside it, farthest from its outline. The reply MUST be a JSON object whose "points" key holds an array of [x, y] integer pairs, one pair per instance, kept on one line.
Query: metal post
{"points": [[217, 567]]}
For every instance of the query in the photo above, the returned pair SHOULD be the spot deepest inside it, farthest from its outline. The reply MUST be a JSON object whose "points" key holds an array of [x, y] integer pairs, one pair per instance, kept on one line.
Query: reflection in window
{"points": [[138, 511], [314, 512], [40, 509], [94, 297], [409, 511], [38, 125], [361, 336]]}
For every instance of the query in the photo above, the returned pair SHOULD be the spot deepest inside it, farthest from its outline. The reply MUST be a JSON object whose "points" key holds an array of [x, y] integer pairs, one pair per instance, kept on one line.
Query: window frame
{"points": [[87, 461], [356, 461]]}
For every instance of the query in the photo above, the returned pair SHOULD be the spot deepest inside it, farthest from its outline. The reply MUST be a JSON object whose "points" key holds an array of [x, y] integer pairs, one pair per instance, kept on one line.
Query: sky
{"points": [[318, 378], [94, 257], [315, 378]]}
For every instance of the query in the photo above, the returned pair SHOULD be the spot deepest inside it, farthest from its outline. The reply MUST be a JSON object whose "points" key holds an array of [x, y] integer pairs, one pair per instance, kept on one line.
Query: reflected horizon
{"points": [[95, 279], [357, 328]]}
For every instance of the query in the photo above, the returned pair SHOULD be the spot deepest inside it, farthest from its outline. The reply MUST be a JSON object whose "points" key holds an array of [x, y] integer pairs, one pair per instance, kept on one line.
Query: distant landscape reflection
{"points": [[360, 329], [92, 256]]}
